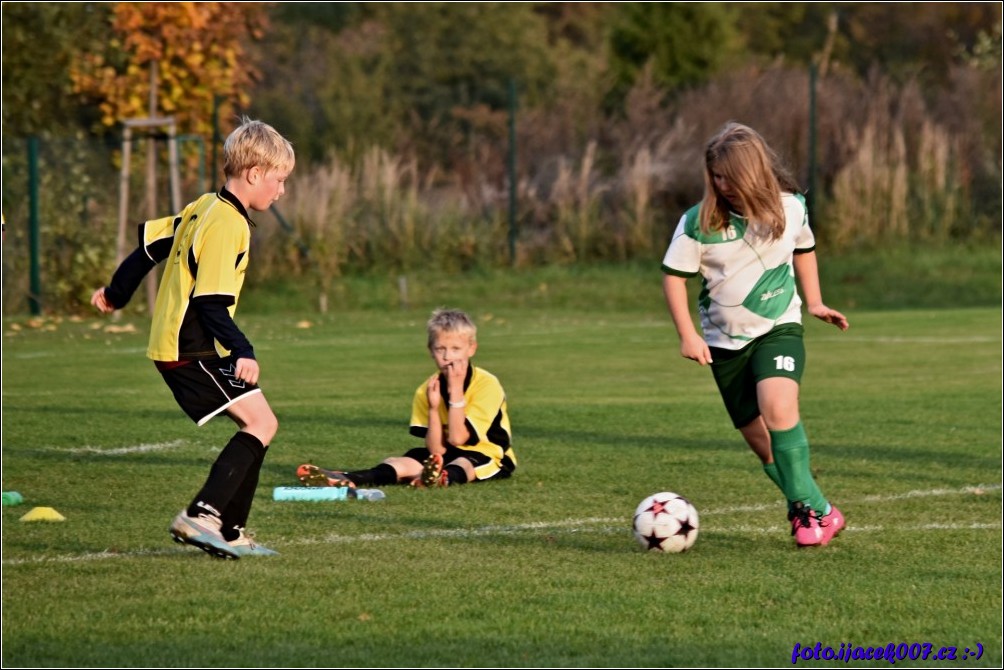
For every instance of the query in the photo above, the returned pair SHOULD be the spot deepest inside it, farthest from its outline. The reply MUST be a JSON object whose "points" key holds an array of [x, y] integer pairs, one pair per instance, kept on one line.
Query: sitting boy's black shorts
{"points": [[476, 458], [205, 387]]}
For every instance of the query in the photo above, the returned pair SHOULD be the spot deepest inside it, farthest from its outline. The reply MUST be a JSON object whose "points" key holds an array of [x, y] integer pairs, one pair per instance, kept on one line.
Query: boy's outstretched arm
{"points": [[125, 281], [99, 300]]}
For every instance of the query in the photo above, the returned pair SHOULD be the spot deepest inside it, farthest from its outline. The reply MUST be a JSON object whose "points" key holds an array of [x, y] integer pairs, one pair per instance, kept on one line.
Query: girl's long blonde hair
{"points": [[741, 155]]}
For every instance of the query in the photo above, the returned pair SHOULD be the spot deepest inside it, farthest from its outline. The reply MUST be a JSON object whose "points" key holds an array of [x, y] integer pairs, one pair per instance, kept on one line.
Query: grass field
{"points": [[903, 412]]}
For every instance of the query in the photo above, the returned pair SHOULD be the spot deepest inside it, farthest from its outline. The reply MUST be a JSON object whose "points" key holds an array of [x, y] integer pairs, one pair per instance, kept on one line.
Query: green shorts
{"points": [[779, 353]]}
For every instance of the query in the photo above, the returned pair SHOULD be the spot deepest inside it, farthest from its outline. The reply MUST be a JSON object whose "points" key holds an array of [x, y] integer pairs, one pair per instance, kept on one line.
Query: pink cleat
{"points": [[831, 524], [805, 526]]}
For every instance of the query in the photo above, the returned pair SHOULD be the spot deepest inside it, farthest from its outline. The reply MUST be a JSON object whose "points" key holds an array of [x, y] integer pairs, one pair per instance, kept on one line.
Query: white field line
{"points": [[118, 451], [770, 530], [589, 525], [907, 339], [55, 353]]}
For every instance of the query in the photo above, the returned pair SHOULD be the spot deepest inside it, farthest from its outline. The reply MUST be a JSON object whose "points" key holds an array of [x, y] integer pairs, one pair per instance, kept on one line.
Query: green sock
{"points": [[774, 474], [791, 455]]}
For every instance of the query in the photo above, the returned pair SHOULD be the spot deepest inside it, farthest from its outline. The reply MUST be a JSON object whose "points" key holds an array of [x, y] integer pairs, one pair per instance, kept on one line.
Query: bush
{"points": [[894, 165]]}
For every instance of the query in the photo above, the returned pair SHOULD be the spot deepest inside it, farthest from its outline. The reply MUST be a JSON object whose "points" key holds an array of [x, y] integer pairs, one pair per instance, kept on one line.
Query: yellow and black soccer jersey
{"points": [[210, 240], [486, 413]]}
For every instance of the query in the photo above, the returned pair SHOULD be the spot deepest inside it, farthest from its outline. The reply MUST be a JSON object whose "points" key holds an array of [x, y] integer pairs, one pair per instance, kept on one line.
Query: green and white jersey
{"points": [[747, 280]]}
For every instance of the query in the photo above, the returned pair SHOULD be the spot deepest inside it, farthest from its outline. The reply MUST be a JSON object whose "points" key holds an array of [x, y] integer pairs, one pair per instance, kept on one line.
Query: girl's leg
{"points": [[778, 399], [758, 438]]}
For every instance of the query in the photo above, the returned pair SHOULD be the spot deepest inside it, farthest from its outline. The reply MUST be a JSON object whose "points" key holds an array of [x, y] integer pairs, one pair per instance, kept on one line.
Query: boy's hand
{"points": [[246, 369], [99, 300], [456, 373], [432, 392]]}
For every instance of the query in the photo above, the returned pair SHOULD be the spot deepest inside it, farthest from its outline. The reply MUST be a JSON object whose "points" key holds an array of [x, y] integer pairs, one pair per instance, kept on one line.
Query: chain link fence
{"points": [[61, 202]]}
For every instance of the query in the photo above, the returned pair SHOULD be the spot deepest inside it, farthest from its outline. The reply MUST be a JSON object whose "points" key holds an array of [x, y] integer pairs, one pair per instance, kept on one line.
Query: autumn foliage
{"points": [[193, 51]]}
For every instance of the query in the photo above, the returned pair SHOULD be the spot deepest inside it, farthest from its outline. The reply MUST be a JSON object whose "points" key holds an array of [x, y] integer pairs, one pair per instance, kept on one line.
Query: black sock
{"points": [[235, 516], [381, 475], [227, 474], [456, 474]]}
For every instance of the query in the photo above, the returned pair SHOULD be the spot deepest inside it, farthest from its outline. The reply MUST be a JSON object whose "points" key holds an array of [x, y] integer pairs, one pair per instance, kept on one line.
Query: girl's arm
{"points": [[807, 271], [692, 345]]}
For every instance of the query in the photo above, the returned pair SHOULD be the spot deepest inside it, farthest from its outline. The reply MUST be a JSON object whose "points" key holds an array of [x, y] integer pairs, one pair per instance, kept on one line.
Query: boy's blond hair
{"points": [[450, 321], [256, 143]]}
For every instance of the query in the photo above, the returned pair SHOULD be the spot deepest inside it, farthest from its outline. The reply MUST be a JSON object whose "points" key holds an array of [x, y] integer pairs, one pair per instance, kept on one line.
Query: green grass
{"points": [[904, 276], [903, 412]]}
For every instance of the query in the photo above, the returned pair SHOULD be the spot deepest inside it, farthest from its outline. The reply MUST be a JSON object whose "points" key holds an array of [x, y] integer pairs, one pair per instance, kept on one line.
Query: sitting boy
{"points": [[460, 412]]}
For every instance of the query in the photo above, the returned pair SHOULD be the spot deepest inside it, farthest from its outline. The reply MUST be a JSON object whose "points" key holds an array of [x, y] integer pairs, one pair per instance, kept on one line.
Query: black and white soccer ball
{"points": [[666, 522]]}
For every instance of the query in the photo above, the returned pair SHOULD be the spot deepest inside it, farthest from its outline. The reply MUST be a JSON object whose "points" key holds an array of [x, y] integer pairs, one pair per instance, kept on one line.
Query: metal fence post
{"points": [[810, 193], [35, 291], [512, 171]]}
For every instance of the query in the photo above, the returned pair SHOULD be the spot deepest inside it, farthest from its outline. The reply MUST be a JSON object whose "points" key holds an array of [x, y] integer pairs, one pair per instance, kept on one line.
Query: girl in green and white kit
{"points": [[748, 239]]}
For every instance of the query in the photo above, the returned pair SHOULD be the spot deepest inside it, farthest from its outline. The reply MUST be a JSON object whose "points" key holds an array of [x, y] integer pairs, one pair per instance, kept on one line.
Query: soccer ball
{"points": [[665, 522]]}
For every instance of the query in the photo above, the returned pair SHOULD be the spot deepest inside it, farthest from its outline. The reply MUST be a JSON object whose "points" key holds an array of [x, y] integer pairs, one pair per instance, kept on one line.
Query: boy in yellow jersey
{"points": [[203, 356], [460, 412]]}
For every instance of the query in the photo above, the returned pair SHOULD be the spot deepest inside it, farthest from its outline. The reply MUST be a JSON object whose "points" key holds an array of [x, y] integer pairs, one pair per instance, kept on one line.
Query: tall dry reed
{"points": [[888, 168]]}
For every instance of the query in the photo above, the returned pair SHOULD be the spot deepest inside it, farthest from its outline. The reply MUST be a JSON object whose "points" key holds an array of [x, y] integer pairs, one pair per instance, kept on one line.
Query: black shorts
{"points": [[477, 459], [206, 387]]}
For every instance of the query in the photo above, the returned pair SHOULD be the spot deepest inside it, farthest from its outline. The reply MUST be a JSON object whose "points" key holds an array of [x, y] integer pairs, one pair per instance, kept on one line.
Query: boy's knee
{"points": [[265, 428]]}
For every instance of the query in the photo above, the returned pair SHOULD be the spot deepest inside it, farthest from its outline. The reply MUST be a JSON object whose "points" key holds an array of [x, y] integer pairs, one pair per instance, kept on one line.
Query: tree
{"points": [[40, 42], [339, 98], [795, 31], [911, 39], [464, 54], [194, 52], [421, 76], [453, 63], [684, 42]]}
